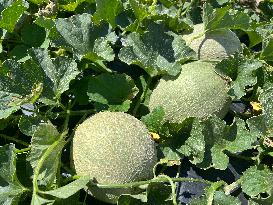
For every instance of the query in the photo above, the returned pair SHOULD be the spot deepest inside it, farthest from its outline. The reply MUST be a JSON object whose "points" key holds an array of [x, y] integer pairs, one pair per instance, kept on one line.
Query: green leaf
{"points": [[267, 103], [267, 8], [156, 51], [159, 193], [170, 17], [29, 124], [71, 5], [11, 14], [141, 11], [154, 120], [256, 180], [195, 142], [224, 18], [171, 156], [33, 35], [38, 1], [21, 84], [266, 53], [10, 188], [79, 89], [129, 200], [114, 91], [38, 200], [246, 77], [58, 72], [73, 200], [4, 123], [45, 136], [243, 138], [69, 189], [84, 38], [229, 67], [19, 52], [44, 22], [108, 11], [221, 198], [212, 192], [209, 141]]}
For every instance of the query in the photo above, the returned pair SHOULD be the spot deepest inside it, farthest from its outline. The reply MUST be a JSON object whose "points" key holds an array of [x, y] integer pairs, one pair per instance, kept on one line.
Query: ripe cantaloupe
{"points": [[212, 46], [113, 148], [198, 91]]}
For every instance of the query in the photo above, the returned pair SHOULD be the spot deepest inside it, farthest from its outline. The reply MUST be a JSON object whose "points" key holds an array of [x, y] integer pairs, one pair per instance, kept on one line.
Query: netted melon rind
{"points": [[113, 148], [198, 91], [212, 46]]}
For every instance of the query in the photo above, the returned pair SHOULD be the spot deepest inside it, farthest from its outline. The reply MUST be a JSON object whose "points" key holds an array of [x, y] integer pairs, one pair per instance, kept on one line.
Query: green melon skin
{"points": [[198, 91], [212, 46], [113, 148]]}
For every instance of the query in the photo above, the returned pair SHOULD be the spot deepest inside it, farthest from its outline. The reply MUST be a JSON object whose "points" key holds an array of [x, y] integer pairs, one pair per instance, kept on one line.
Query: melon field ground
{"points": [[136, 102]]}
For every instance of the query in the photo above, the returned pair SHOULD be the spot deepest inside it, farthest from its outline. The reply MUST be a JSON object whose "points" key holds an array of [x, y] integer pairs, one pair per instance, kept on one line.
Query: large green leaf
{"points": [[266, 53], [171, 18], [85, 39], [218, 198], [267, 103], [224, 17], [10, 188], [71, 5], [141, 11], [21, 83], [246, 76], [108, 10], [154, 120], [256, 180], [195, 144], [156, 194], [112, 91], [11, 14], [58, 73], [46, 147], [33, 35], [209, 141], [29, 124], [38, 200], [159, 193], [156, 51], [69, 189]]}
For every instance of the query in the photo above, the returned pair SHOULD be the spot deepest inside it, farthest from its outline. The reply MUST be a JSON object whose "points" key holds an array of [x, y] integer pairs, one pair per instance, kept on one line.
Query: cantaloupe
{"points": [[198, 91], [212, 46], [113, 148]]}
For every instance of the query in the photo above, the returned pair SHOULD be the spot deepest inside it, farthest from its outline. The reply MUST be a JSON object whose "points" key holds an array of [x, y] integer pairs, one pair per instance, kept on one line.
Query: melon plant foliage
{"points": [[62, 62]]}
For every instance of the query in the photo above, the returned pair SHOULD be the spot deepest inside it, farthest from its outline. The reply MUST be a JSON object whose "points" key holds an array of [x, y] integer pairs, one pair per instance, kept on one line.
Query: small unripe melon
{"points": [[212, 46], [113, 148], [198, 91]]}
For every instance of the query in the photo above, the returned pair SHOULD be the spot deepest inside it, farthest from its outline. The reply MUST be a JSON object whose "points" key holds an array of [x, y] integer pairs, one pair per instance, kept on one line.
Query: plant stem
{"points": [[232, 187], [76, 113], [21, 151], [173, 186], [42, 160], [143, 95], [157, 179], [67, 116], [187, 9], [74, 130], [14, 139]]}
